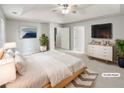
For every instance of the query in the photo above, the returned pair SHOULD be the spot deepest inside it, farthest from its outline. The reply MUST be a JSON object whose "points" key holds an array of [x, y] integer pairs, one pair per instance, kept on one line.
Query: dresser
{"points": [[101, 52]]}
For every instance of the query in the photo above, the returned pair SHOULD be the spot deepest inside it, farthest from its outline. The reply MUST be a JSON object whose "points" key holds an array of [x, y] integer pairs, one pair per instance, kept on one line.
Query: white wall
{"points": [[45, 29], [2, 28], [118, 28], [25, 46], [13, 29]]}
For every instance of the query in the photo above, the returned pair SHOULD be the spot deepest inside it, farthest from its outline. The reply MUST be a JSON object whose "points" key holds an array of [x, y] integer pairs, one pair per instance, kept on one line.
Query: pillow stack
{"points": [[8, 54], [20, 63]]}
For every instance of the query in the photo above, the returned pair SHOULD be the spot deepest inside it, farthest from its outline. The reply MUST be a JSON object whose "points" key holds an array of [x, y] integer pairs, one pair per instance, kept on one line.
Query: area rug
{"points": [[85, 80]]}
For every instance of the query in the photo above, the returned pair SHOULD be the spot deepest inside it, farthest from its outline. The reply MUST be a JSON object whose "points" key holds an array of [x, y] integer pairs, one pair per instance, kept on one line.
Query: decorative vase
{"points": [[43, 48], [121, 62]]}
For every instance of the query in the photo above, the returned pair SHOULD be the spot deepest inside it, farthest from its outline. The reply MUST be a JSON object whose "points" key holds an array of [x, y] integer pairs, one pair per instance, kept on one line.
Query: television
{"points": [[102, 31]]}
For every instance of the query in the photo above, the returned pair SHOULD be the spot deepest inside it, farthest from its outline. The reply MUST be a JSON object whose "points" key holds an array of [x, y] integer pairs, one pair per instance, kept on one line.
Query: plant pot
{"points": [[121, 62], [43, 48]]}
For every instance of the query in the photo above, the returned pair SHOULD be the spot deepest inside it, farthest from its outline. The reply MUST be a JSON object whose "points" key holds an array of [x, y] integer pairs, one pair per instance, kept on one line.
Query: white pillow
{"points": [[17, 53], [20, 64], [8, 54]]}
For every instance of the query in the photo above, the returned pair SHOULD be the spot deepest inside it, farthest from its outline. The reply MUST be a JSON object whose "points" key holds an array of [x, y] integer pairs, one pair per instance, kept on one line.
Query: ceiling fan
{"points": [[58, 9], [65, 9]]}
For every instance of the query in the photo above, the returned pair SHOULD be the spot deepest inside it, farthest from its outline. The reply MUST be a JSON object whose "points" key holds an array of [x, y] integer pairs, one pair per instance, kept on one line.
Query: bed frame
{"points": [[66, 81]]}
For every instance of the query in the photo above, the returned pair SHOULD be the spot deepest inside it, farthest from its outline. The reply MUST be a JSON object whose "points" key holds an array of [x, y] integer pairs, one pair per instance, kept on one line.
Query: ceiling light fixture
{"points": [[65, 9]]}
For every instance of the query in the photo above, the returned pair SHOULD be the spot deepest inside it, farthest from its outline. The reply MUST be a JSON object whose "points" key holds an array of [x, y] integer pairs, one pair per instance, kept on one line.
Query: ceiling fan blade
{"points": [[57, 9], [72, 8]]}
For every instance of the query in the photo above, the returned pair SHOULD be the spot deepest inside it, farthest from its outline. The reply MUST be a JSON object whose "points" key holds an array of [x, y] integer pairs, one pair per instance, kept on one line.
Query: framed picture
{"points": [[28, 32]]}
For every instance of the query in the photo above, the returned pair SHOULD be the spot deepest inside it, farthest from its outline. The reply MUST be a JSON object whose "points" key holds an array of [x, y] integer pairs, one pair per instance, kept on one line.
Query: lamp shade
{"points": [[7, 71], [8, 45]]}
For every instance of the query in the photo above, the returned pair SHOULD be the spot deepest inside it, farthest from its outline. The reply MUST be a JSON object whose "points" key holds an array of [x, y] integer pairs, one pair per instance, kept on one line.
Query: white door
{"points": [[65, 38], [79, 39]]}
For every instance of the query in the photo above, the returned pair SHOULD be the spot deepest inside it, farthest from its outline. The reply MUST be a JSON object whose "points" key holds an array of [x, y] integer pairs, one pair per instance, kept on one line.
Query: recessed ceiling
{"points": [[43, 12]]}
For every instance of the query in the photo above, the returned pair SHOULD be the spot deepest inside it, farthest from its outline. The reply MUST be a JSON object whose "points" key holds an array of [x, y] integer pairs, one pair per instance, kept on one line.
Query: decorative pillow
{"points": [[20, 64], [8, 54], [17, 53], [1, 54]]}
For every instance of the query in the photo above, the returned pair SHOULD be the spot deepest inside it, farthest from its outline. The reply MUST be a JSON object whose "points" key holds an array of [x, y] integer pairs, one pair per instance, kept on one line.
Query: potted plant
{"points": [[43, 42], [120, 52]]}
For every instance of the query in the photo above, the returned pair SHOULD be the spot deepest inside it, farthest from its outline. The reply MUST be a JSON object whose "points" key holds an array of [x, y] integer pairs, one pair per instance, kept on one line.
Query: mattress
{"points": [[48, 67]]}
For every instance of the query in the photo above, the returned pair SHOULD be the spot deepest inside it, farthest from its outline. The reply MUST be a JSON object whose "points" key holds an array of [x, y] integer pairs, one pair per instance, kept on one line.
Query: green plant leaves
{"points": [[120, 47], [43, 40]]}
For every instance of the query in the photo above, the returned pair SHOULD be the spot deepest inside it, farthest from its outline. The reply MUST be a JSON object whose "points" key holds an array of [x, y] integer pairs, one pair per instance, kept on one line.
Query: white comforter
{"points": [[50, 66], [55, 70], [33, 77], [73, 63]]}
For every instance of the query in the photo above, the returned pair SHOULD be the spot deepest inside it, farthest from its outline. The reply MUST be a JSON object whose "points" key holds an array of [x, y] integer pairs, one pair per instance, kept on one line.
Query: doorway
{"points": [[61, 38], [55, 36], [79, 39]]}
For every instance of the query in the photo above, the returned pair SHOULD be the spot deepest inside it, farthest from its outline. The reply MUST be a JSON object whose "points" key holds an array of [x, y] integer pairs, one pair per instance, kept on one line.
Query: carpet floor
{"points": [[101, 67]]}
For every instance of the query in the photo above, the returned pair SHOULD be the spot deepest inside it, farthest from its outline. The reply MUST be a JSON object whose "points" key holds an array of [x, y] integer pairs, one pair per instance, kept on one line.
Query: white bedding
{"points": [[34, 77], [73, 63], [50, 66], [55, 70]]}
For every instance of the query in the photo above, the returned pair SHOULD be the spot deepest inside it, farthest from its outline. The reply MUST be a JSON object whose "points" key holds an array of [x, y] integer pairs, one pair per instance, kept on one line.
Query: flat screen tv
{"points": [[102, 31]]}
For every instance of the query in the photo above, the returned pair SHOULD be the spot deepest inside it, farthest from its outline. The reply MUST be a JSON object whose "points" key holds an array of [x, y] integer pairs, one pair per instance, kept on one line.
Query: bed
{"points": [[48, 69]]}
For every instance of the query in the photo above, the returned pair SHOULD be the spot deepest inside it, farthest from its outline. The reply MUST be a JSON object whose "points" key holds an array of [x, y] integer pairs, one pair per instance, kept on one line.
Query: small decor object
{"points": [[28, 32], [43, 42], [120, 52]]}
